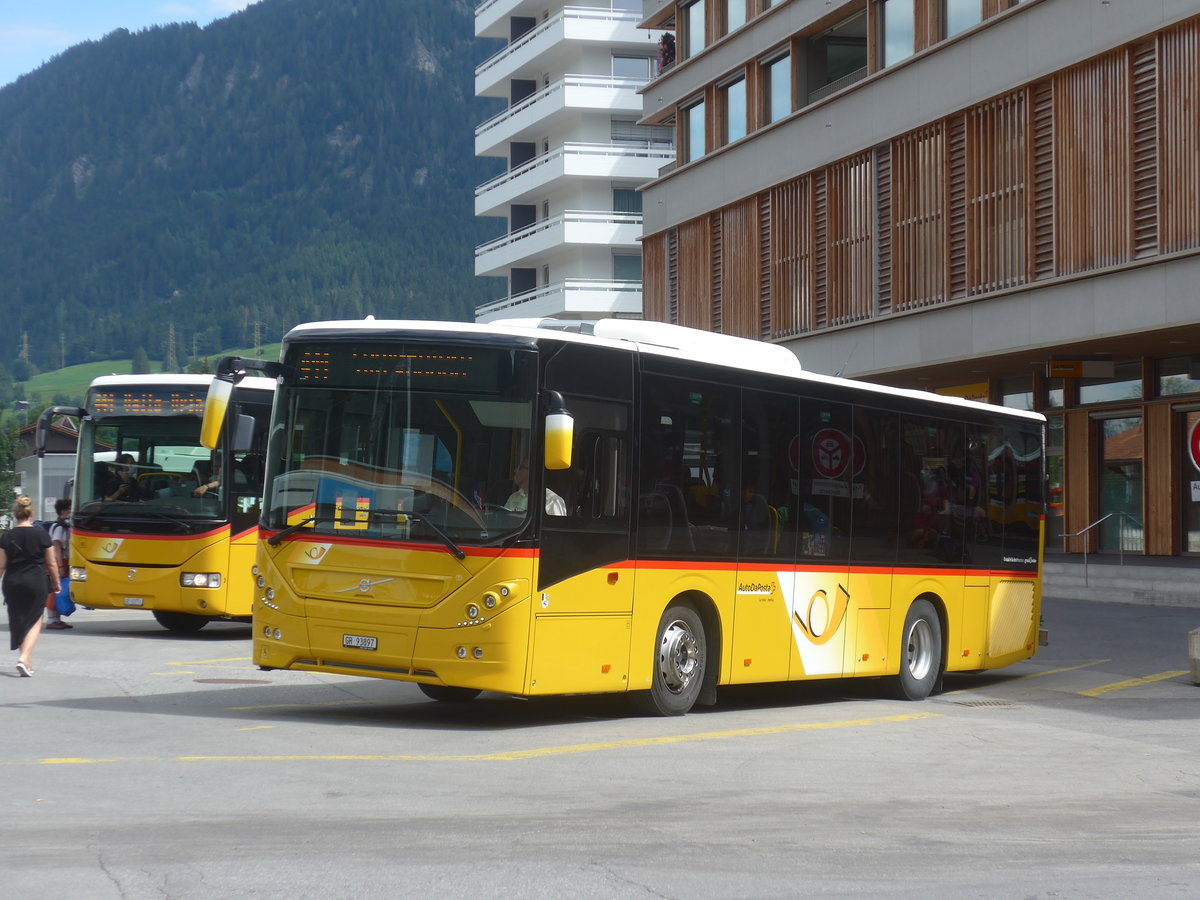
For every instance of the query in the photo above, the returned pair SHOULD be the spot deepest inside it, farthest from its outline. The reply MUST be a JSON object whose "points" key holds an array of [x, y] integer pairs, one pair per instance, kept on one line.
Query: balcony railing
{"points": [[571, 295], [587, 17], [579, 151], [836, 85], [570, 81], [565, 221]]}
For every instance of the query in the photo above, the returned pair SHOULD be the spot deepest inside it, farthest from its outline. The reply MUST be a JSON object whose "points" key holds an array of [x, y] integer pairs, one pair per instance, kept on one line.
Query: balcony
{"points": [[567, 165], [573, 298], [557, 104], [553, 45], [573, 227], [491, 16]]}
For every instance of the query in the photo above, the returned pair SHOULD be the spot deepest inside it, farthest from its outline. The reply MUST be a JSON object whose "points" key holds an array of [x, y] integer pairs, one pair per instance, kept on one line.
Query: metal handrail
{"points": [[1120, 538]]}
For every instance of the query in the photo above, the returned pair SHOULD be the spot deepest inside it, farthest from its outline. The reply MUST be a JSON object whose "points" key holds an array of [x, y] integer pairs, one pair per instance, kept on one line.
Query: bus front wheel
{"points": [[180, 622], [680, 652], [448, 694], [920, 653]]}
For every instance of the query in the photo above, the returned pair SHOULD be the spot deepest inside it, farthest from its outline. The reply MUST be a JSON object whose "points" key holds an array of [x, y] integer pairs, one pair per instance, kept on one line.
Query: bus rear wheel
{"points": [[920, 653], [180, 622], [447, 694], [680, 657]]}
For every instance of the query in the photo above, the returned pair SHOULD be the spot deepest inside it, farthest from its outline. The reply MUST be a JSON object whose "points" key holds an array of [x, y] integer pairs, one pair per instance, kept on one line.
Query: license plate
{"points": [[359, 641], [135, 601]]}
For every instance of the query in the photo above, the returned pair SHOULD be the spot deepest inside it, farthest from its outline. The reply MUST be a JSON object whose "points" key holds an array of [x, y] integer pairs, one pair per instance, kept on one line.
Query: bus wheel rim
{"points": [[918, 650], [678, 657]]}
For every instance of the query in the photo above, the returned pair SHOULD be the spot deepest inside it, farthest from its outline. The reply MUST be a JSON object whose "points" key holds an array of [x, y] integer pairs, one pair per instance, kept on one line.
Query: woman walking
{"points": [[26, 559]]}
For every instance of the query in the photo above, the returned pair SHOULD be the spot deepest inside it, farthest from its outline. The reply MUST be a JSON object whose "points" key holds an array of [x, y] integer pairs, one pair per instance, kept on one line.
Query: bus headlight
{"points": [[78, 573], [200, 579]]}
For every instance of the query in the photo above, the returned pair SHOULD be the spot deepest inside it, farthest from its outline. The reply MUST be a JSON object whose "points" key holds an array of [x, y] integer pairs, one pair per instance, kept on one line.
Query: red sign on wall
{"points": [[1194, 444]]}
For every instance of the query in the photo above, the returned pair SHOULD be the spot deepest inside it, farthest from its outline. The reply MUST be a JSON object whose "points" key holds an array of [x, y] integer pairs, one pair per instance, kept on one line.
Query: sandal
{"points": [[24, 670]]}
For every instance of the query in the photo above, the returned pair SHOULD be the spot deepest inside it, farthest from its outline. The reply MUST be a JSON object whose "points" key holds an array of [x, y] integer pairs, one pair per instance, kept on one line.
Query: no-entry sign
{"points": [[1194, 444]]}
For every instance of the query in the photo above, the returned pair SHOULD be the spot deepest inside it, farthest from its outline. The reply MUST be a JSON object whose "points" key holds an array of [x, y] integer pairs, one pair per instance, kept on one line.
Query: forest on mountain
{"points": [[182, 190]]}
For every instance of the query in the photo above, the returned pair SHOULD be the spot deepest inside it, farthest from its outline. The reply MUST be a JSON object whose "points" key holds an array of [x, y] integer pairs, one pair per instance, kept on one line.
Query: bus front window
{"points": [[147, 465], [403, 443]]}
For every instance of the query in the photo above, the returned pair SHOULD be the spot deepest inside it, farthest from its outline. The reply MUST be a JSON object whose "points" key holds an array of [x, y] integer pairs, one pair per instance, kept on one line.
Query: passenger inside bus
{"points": [[518, 500], [119, 481]]}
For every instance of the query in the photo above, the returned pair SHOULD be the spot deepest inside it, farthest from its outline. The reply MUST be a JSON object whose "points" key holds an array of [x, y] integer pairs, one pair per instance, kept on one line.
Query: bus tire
{"points": [[680, 658], [920, 653], [446, 694], [181, 623]]}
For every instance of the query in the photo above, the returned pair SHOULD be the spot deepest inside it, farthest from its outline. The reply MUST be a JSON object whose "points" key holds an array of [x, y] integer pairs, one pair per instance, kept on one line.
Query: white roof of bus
{"points": [[662, 339], [198, 381]]}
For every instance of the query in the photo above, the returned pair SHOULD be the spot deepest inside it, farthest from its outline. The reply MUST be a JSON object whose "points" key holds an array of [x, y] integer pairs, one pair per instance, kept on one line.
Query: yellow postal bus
{"points": [[161, 523], [528, 508]]}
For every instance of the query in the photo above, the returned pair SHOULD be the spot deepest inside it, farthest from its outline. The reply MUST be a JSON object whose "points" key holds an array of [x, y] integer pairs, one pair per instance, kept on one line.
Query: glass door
{"points": [[1121, 466]]}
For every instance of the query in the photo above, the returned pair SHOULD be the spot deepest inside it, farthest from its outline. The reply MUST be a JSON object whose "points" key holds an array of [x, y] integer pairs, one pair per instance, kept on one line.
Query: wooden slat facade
{"points": [[1179, 127], [1092, 167]]}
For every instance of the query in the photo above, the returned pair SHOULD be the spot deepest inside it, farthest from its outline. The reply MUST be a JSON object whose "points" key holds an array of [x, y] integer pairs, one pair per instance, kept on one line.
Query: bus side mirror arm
{"points": [[41, 436]]}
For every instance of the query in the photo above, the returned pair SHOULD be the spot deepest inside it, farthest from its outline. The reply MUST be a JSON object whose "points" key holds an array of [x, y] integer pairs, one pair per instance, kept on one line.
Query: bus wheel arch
{"points": [[180, 623], [922, 650], [686, 651]]}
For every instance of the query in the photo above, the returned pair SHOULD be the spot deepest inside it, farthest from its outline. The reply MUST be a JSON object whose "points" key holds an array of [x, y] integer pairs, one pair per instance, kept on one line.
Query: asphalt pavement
{"points": [[143, 764]]}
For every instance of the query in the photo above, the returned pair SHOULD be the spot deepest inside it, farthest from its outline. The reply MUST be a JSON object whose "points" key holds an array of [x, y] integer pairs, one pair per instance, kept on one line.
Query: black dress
{"points": [[25, 585]]}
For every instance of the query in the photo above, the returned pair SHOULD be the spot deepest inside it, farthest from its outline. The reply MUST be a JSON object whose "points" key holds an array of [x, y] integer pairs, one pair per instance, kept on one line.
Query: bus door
{"points": [[768, 519], [876, 489], [584, 600], [823, 459]]}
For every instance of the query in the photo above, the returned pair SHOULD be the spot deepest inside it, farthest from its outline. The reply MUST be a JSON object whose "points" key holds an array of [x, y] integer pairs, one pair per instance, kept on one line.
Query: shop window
{"points": [[1056, 396], [1178, 375], [1121, 442], [1017, 393], [1126, 384], [1055, 483], [1189, 487]]}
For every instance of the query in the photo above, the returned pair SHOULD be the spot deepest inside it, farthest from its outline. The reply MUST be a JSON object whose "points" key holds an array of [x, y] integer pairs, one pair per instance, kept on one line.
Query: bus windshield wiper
{"points": [[276, 539], [456, 550]]}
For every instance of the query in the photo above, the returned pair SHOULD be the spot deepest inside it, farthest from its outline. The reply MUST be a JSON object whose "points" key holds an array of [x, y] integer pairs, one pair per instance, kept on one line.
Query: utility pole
{"points": [[170, 364]]}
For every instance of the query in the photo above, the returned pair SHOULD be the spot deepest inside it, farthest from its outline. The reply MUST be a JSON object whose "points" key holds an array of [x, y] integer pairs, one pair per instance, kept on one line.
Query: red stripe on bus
{"points": [[484, 552]]}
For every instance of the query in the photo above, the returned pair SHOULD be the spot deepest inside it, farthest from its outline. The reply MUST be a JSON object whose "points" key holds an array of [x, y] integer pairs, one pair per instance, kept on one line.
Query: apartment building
{"points": [[575, 155], [991, 198]]}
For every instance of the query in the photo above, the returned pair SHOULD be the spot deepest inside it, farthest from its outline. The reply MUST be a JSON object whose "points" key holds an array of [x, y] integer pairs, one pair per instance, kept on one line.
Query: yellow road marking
{"points": [[503, 756], [255, 728], [1132, 682]]}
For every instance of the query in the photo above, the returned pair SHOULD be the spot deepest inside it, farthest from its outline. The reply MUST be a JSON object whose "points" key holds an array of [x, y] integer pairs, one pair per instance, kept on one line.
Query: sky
{"points": [[32, 31]]}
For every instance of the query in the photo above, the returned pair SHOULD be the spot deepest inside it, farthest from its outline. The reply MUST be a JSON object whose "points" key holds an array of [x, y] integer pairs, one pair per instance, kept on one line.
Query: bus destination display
{"points": [[146, 402], [391, 366]]}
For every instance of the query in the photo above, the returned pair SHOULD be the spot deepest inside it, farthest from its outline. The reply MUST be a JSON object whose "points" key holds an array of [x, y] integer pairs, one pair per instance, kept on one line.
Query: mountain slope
{"points": [[302, 159]]}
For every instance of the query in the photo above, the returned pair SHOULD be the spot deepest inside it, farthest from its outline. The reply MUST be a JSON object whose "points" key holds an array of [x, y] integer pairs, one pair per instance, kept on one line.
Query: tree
{"points": [[141, 362]]}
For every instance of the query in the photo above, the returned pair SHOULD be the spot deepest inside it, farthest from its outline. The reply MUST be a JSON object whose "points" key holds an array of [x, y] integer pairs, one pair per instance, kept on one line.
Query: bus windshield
{"points": [[145, 466], [415, 442]]}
